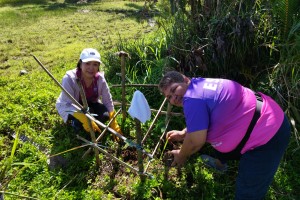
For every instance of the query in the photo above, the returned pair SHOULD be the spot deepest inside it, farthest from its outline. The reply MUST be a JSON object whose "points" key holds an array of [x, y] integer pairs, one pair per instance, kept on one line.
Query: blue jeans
{"points": [[258, 166]]}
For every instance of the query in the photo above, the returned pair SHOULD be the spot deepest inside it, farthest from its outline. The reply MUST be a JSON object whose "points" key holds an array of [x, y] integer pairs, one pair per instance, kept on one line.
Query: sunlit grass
{"points": [[56, 32]]}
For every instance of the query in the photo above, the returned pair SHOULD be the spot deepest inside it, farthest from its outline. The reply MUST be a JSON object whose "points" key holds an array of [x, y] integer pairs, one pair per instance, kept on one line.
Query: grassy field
{"points": [[56, 32]]}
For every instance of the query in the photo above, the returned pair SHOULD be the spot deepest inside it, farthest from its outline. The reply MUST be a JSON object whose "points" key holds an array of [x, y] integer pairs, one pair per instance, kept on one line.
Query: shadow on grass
{"points": [[67, 156], [16, 3], [81, 173], [132, 10]]}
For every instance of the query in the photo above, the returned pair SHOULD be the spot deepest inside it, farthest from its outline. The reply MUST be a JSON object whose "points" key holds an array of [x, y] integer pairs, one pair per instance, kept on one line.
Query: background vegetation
{"points": [[256, 43]]}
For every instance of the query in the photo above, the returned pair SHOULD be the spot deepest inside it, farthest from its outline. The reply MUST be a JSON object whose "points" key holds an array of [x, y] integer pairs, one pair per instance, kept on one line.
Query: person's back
{"points": [[226, 109], [250, 127]]}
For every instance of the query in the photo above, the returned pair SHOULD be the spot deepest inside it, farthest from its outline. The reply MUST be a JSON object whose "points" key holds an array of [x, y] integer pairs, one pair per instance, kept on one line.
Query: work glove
{"points": [[84, 120], [114, 124]]}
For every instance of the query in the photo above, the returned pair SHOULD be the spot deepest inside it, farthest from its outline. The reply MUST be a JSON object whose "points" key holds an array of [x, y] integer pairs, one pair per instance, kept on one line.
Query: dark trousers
{"points": [[98, 110], [258, 166]]}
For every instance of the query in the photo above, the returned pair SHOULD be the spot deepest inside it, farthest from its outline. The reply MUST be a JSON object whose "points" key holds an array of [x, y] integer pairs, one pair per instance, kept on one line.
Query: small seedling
{"points": [[161, 155]]}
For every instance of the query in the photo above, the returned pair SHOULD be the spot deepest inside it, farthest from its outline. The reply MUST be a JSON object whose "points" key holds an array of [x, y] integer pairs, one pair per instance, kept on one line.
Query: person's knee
{"points": [[251, 188], [105, 117]]}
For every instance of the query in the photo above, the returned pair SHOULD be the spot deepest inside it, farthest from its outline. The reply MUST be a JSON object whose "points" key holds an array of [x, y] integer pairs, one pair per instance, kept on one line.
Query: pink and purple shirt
{"points": [[225, 108]]}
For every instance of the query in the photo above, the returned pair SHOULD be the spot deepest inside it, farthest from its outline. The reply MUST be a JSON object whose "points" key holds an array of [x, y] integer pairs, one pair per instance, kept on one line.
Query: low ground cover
{"points": [[56, 32]]}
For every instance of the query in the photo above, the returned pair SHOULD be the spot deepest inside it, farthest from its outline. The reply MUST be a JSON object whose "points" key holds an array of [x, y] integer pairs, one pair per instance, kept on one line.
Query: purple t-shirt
{"points": [[225, 108]]}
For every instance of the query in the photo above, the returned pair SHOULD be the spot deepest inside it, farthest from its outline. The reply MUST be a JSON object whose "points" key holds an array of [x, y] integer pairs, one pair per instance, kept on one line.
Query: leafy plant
{"points": [[240, 38], [7, 164], [287, 12]]}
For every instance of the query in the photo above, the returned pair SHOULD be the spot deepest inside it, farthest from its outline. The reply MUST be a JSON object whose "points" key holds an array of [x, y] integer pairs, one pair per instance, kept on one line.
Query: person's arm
{"points": [[63, 102], [192, 143], [106, 96], [108, 103]]}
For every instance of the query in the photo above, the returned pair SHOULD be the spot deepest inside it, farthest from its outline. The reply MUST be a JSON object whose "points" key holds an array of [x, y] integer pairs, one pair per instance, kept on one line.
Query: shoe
{"points": [[211, 162]]}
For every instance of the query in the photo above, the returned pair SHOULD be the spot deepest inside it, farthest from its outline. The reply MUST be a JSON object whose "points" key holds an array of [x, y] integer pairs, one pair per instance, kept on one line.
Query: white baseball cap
{"points": [[90, 54]]}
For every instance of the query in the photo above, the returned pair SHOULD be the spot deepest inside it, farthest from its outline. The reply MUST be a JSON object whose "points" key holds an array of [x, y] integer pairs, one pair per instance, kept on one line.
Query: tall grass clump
{"points": [[238, 39], [143, 66], [285, 75], [253, 42]]}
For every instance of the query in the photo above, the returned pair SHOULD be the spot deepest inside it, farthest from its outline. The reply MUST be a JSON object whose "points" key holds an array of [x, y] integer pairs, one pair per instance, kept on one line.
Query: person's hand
{"points": [[175, 135], [178, 160], [114, 125], [84, 120]]}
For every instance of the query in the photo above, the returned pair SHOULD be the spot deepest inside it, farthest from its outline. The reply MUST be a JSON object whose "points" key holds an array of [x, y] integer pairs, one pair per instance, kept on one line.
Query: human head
{"points": [[88, 55], [169, 78]]}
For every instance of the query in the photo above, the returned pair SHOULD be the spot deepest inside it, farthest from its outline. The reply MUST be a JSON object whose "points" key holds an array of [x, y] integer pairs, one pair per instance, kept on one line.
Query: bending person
{"points": [[220, 111]]}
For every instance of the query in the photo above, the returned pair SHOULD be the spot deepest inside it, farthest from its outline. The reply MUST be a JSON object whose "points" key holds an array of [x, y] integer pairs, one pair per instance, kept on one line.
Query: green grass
{"points": [[56, 32]]}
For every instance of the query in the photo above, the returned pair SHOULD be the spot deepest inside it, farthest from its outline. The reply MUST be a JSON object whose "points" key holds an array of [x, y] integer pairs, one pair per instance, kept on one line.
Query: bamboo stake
{"points": [[168, 118], [123, 55], [105, 129], [154, 120], [139, 154], [111, 156], [138, 147], [85, 107], [157, 145], [117, 104], [169, 113], [102, 133], [135, 85], [67, 93]]}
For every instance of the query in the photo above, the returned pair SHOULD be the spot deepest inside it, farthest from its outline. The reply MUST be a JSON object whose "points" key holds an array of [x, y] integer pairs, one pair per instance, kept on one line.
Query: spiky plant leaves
{"points": [[287, 11]]}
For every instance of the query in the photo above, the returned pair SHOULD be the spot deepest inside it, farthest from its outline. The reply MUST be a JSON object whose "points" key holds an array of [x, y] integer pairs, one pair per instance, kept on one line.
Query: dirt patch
{"points": [[168, 159], [130, 155]]}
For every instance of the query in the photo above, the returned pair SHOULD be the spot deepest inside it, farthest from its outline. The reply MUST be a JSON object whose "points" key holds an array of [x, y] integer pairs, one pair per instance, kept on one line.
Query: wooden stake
{"points": [[139, 142], [111, 156], [102, 133], [85, 107], [154, 120], [123, 55]]}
